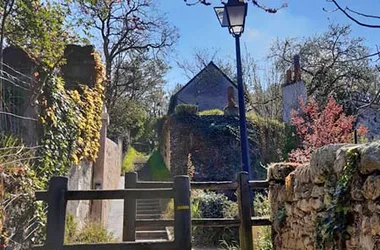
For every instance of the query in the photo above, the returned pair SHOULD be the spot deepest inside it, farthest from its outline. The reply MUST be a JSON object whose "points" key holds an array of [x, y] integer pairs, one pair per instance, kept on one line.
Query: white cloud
{"points": [[252, 34]]}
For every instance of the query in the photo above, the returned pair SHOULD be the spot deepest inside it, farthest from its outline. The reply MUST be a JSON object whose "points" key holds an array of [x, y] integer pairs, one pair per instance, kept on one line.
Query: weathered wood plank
{"points": [[169, 245], [245, 203], [211, 185], [259, 184], [182, 213], [154, 184], [149, 185], [41, 195], [56, 217], [205, 222], [130, 207], [148, 193], [214, 185], [261, 221]]}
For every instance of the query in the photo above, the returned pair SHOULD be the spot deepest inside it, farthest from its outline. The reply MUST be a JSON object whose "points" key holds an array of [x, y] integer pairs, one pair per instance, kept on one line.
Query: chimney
{"points": [[230, 97], [288, 79], [297, 68]]}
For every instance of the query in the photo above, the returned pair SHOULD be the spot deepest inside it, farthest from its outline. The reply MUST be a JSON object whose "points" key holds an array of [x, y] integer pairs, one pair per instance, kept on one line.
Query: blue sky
{"points": [[199, 28]]}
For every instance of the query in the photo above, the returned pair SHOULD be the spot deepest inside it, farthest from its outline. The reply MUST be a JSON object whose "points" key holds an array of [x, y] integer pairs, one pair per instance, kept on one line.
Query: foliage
{"points": [[269, 141], [263, 240], [92, 232], [332, 229], [71, 123], [211, 112], [130, 157], [41, 29], [213, 205], [229, 246], [127, 119], [333, 63], [20, 216], [157, 168], [318, 127], [186, 109], [275, 139]]}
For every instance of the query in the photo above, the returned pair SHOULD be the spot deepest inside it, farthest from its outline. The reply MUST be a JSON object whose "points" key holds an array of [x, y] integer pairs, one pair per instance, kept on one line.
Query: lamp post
{"points": [[232, 15]]}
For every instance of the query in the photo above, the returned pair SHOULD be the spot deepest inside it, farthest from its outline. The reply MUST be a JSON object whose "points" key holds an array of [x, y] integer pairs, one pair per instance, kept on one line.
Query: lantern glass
{"points": [[236, 14]]}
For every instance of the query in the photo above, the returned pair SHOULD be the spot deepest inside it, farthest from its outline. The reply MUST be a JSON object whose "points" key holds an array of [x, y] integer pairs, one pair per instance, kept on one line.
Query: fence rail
{"points": [[58, 195]]}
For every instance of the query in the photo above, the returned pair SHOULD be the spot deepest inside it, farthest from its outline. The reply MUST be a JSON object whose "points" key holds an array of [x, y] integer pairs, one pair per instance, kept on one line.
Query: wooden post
{"points": [[244, 200], [56, 215], [129, 219], [182, 213]]}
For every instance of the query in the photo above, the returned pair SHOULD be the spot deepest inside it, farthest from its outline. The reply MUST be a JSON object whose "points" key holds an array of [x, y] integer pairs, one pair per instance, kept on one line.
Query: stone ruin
{"points": [[293, 89], [18, 92], [302, 196]]}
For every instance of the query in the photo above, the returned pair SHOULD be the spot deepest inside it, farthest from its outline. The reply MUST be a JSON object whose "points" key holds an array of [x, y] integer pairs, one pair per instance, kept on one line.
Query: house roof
{"points": [[211, 64]]}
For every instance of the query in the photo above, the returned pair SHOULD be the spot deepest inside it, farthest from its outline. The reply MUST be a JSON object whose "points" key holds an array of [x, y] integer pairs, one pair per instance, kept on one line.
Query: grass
{"points": [[130, 158], [92, 232], [158, 170], [211, 112]]}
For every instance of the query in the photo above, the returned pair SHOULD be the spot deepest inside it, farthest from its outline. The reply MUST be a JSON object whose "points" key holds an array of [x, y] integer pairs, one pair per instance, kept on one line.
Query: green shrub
{"points": [[211, 112], [263, 239], [92, 232], [19, 213], [186, 109], [274, 139], [130, 158], [157, 168], [213, 205]]}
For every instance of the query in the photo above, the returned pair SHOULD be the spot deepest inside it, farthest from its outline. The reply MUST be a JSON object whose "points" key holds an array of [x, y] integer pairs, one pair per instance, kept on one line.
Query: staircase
{"points": [[150, 209]]}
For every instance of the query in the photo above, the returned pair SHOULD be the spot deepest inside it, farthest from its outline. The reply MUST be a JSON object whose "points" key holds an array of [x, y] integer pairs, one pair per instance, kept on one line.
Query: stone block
{"points": [[322, 161], [317, 192], [371, 187], [369, 158], [341, 157], [279, 171]]}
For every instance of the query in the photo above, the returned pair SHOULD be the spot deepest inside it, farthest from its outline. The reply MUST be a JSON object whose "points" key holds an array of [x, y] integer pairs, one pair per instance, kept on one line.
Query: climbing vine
{"points": [[71, 123], [332, 229]]}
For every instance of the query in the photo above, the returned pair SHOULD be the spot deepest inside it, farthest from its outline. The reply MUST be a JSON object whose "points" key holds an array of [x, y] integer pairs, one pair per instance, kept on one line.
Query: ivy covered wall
{"points": [[208, 146]]}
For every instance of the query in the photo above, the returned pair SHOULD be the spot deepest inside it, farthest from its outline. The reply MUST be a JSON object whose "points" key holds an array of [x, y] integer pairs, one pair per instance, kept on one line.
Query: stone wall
{"points": [[331, 192], [107, 170], [370, 117], [80, 178]]}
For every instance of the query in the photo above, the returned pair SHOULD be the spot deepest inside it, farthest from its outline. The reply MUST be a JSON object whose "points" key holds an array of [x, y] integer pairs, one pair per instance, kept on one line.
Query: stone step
{"points": [[151, 235], [147, 200], [147, 207], [148, 203], [148, 216], [149, 211], [150, 228]]}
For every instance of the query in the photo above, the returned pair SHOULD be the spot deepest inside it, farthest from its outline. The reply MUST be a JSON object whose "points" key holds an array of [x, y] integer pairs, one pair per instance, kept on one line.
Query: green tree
{"points": [[332, 63], [127, 120], [41, 29]]}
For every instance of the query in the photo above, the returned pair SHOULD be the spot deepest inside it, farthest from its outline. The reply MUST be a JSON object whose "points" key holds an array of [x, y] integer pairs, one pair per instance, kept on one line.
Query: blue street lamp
{"points": [[232, 15]]}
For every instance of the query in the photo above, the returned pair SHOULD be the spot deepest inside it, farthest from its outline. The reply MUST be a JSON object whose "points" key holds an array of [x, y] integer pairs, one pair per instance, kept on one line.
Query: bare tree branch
{"points": [[344, 11], [362, 14]]}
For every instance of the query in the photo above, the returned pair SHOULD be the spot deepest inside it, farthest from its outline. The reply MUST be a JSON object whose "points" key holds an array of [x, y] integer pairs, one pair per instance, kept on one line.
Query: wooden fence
{"points": [[58, 195]]}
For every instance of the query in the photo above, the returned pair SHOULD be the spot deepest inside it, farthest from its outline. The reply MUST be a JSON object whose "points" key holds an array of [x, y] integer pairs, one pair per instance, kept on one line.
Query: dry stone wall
{"points": [[309, 200]]}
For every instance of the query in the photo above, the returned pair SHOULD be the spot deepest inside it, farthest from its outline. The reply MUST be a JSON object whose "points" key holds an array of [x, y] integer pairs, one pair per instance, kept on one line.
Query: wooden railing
{"points": [[58, 195]]}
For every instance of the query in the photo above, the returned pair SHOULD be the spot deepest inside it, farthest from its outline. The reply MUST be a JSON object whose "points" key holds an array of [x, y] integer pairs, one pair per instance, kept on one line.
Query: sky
{"points": [[199, 28]]}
